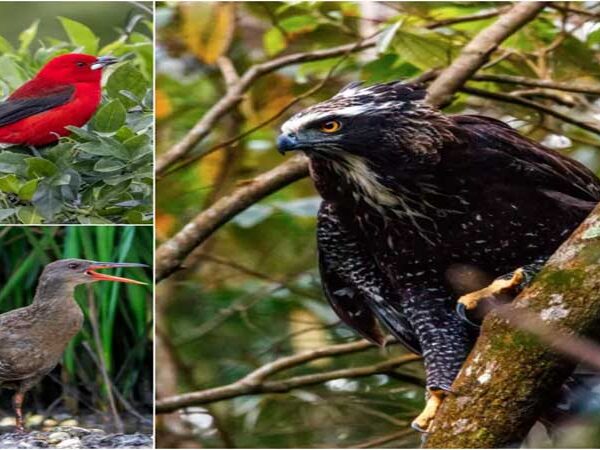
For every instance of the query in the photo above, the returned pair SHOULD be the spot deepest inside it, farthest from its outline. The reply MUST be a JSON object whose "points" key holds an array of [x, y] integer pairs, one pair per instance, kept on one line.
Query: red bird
{"points": [[65, 92]]}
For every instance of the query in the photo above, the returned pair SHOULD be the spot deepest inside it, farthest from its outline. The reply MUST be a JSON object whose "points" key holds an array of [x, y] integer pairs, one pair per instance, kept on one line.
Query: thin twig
{"points": [[477, 52], [533, 82], [255, 383], [235, 92], [531, 104]]}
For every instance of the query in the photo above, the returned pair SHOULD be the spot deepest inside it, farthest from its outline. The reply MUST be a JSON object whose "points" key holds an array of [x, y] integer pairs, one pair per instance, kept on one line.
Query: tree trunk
{"points": [[512, 375]]}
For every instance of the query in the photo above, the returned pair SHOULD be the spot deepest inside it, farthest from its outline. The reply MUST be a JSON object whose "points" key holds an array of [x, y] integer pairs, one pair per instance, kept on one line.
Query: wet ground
{"points": [[69, 433]]}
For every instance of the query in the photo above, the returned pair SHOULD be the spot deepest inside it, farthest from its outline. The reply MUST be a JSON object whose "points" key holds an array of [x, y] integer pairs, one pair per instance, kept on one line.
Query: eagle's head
{"points": [[378, 125]]}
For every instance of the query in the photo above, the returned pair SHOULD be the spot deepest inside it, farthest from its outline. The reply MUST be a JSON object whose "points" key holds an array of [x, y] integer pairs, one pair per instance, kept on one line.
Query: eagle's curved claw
{"points": [[423, 422], [461, 310], [499, 287]]}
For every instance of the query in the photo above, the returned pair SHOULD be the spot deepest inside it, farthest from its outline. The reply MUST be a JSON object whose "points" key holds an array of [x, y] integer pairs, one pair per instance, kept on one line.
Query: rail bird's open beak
{"points": [[91, 271], [103, 61]]}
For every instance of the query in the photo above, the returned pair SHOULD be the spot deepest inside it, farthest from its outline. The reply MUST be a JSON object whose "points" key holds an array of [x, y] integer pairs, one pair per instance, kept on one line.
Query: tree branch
{"points": [[256, 383], [234, 95], [531, 104], [534, 82], [477, 52], [170, 255], [511, 376]]}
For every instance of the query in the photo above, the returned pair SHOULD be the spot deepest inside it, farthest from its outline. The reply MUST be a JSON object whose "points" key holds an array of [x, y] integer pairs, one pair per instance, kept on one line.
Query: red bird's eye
{"points": [[80, 64]]}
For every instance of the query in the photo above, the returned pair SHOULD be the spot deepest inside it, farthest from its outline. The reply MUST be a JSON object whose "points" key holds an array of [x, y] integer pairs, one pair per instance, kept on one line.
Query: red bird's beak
{"points": [[91, 271], [103, 61]]}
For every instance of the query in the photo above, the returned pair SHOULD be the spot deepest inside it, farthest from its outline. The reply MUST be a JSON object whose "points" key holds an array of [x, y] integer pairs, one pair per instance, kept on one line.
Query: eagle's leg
{"points": [[423, 421], [499, 286], [445, 341], [18, 407], [510, 284]]}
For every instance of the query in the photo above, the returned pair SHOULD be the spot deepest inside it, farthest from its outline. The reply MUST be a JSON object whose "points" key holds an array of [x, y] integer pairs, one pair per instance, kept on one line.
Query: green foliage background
{"points": [[252, 293], [102, 173], [124, 311]]}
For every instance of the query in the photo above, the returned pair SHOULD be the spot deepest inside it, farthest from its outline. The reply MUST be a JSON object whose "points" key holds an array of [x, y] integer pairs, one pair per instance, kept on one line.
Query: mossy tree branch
{"points": [[513, 374]]}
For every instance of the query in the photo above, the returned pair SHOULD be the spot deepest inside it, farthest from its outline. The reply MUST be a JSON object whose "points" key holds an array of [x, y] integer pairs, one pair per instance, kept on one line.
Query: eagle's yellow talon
{"points": [[498, 287], [423, 421]]}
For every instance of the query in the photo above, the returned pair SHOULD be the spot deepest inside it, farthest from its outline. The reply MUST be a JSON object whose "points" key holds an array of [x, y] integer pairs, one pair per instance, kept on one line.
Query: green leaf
{"points": [[10, 183], [80, 35], [27, 36], [12, 162], [47, 200], [423, 51], [274, 41], [29, 216], [82, 133], [136, 142], [5, 46], [109, 165], [110, 117], [40, 168], [6, 213], [386, 38], [27, 190], [126, 78], [92, 220], [11, 73], [301, 23]]}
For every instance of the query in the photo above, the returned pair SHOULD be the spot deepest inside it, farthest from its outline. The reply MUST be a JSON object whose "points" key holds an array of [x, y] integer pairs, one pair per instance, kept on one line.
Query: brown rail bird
{"points": [[33, 338]]}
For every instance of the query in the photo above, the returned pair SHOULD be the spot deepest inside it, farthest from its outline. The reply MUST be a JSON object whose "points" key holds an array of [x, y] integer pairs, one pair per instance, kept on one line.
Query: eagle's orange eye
{"points": [[331, 126]]}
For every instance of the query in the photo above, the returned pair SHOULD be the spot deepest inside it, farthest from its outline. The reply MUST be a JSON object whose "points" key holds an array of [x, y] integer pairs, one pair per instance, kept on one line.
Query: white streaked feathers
{"points": [[297, 122]]}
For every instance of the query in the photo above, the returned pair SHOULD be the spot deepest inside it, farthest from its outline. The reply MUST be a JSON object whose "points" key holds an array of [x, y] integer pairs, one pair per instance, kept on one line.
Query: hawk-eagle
{"points": [[408, 193]]}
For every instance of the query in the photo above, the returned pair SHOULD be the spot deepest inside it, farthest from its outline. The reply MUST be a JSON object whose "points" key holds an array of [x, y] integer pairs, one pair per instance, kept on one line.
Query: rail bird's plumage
{"points": [[409, 193], [33, 338]]}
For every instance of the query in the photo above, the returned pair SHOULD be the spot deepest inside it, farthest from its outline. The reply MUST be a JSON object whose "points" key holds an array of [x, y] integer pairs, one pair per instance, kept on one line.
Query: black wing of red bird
{"points": [[18, 108], [494, 146]]}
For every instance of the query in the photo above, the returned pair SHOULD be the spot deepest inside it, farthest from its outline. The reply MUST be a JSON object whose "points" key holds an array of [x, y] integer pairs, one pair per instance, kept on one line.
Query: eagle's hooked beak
{"points": [[287, 143]]}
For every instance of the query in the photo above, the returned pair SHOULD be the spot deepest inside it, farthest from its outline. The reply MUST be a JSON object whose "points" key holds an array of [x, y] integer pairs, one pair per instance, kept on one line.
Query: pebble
{"points": [[69, 443], [73, 437], [57, 436]]}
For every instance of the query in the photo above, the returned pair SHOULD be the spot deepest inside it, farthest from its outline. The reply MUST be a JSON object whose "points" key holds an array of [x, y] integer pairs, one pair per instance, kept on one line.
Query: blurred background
{"points": [[251, 293], [122, 314], [94, 14]]}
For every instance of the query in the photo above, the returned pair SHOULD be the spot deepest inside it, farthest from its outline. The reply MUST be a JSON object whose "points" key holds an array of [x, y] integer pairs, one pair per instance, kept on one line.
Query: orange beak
{"points": [[91, 271]]}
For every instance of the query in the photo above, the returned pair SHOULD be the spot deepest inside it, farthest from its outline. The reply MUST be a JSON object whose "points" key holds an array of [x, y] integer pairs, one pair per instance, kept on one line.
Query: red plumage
{"points": [[66, 91]]}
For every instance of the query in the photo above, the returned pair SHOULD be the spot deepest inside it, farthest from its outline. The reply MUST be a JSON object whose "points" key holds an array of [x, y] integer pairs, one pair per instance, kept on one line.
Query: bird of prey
{"points": [[408, 194], [33, 338]]}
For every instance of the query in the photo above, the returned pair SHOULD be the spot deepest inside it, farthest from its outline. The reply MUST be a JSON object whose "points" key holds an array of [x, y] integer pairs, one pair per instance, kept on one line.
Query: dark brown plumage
{"points": [[410, 193], [33, 338]]}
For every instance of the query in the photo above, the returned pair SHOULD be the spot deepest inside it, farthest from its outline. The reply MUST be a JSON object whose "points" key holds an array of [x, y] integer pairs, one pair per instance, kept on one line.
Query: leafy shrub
{"points": [[101, 173]]}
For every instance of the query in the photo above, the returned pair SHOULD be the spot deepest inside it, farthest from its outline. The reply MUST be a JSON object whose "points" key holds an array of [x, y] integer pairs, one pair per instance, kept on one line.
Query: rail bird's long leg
{"points": [[423, 421], [18, 406]]}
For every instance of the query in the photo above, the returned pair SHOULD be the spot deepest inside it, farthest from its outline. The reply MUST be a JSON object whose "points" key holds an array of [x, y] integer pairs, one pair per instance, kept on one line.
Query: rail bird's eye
{"points": [[80, 64], [331, 126], [73, 266]]}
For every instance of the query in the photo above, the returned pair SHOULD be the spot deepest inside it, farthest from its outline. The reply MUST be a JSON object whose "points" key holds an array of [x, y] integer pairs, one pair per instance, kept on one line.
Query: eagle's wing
{"points": [[353, 284], [494, 146], [17, 108]]}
